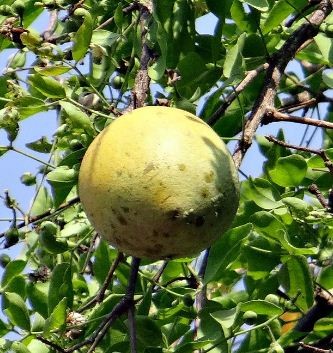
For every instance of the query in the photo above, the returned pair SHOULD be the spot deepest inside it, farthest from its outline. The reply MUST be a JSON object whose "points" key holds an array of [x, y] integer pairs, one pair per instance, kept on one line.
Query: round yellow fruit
{"points": [[159, 183]]}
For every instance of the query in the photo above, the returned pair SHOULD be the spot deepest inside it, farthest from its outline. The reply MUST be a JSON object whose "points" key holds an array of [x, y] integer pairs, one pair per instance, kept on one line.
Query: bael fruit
{"points": [[159, 183]]}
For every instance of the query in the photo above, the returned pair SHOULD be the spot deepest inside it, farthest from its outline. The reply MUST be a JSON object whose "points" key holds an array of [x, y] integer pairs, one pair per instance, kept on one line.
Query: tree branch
{"points": [[101, 293], [314, 190], [142, 79], [121, 308], [250, 76], [46, 214], [321, 153], [313, 349], [272, 115], [275, 70]]}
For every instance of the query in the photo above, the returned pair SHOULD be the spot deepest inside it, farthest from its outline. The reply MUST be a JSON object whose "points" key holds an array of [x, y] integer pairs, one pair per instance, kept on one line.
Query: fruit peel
{"points": [[159, 183]]}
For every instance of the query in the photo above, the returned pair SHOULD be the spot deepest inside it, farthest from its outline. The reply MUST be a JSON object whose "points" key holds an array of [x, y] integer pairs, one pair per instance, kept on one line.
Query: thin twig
{"points": [[250, 76], [272, 115], [314, 190], [313, 349], [51, 344], [89, 252], [321, 153], [101, 293], [46, 214]]}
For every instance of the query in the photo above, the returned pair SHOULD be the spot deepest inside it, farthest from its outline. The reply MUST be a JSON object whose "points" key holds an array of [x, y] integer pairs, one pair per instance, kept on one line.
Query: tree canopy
{"points": [[265, 285]]}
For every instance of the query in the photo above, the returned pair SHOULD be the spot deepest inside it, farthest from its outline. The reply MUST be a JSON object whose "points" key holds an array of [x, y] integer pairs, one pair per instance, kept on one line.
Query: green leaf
{"points": [[261, 307], [233, 64], [289, 171], [191, 347], [102, 261], [225, 251], [262, 192], [4, 329], [270, 226], [328, 78], [324, 325], [296, 279], [157, 69], [17, 285], [42, 202], [261, 5], [28, 105], [148, 331], [325, 278], [38, 297], [243, 19], [53, 70], [103, 37], [226, 318], [42, 145], [325, 46], [78, 118], [57, 319], [260, 248], [37, 346], [82, 37], [13, 269], [48, 238], [3, 150], [19, 347], [16, 310], [31, 39], [297, 206], [60, 286], [219, 8], [280, 11], [62, 179], [317, 162], [48, 86]]}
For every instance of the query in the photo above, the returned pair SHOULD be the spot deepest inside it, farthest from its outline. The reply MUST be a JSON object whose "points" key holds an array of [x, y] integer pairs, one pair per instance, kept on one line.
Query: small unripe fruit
{"points": [[4, 260], [272, 298], [188, 300], [28, 179], [250, 317], [117, 82]]}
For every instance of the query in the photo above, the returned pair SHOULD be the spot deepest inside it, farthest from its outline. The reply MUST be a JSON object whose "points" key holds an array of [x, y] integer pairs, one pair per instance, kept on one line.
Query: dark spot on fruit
{"points": [[119, 172], [209, 177], [166, 235], [199, 221], [149, 167], [122, 220], [125, 209], [204, 193], [155, 233], [174, 214], [181, 167]]}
